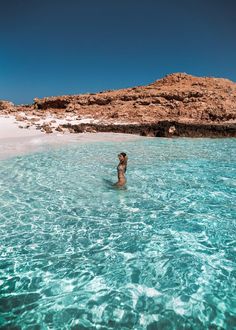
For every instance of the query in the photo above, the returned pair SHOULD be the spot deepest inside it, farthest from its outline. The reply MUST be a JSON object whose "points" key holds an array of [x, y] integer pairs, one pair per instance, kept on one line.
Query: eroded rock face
{"points": [[177, 98], [160, 129], [51, 103], [6, 106]]}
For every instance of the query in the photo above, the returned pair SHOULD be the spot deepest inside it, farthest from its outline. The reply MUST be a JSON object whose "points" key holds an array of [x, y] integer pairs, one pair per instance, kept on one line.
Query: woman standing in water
{"points": [[121, 169]]}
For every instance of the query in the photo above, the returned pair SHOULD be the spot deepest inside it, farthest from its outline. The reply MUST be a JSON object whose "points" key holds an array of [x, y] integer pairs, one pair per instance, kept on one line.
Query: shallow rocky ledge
{"points": [[160, 129]]}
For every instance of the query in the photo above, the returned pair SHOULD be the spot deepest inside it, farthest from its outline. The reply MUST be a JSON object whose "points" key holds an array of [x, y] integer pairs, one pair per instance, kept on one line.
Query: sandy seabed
{"points": [[15, 141]]}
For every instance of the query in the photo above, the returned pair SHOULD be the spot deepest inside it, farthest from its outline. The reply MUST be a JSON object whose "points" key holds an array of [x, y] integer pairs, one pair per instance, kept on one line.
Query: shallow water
{"points": [[77, 254]]}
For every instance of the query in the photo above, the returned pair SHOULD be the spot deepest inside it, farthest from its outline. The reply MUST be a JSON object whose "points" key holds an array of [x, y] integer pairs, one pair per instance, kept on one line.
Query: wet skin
{"points": [[121, 169]]}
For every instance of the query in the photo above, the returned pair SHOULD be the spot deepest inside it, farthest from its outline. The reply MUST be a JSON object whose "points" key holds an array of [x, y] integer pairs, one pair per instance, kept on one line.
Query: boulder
{"points": [[47, 128], [6, 106], [59, 129]]}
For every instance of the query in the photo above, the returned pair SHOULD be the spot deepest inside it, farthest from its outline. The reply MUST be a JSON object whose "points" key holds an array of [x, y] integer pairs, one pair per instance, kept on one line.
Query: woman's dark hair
{"points": [[125, 159]]}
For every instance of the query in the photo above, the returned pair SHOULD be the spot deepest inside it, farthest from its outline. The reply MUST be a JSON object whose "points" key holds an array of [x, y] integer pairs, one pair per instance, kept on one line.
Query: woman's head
{"points": [[123, 157]]}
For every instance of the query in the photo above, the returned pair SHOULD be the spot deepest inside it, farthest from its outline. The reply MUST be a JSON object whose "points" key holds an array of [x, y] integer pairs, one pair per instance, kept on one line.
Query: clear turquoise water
{"points": [[77, 254]]}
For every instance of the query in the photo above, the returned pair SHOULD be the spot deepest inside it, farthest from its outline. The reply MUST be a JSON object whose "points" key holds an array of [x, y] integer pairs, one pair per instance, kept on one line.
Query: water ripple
{"points": [[77, 254]]}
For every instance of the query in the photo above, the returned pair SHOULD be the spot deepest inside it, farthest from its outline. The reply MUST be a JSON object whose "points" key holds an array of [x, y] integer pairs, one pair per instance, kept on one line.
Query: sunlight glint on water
{"points": [[77, 254]]}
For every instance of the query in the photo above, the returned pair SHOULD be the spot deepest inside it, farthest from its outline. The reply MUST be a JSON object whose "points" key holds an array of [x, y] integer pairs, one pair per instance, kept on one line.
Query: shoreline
{"points": [[69, 123], [15, 141], [18, 137]]}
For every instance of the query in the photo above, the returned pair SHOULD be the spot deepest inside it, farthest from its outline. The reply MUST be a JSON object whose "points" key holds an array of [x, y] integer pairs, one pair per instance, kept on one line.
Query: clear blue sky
{"points": [[55, 47]]}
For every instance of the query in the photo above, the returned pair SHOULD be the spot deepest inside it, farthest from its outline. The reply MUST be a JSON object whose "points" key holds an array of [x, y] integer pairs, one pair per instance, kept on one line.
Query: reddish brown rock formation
{"points": [[204, 106], [6, 107]]}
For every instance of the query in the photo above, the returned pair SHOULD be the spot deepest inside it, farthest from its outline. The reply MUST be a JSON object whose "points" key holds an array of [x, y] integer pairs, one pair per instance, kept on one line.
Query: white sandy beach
{"points": [[9, 128], [15, 141]]}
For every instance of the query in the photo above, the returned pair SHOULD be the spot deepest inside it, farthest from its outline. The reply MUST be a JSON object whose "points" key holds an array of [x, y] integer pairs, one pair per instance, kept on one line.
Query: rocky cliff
{"points": [[6, 107], [179, 104]]}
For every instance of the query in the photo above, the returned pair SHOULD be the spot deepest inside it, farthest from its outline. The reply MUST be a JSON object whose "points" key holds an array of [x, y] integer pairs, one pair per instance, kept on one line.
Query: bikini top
{"points": [[121, 168]]}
